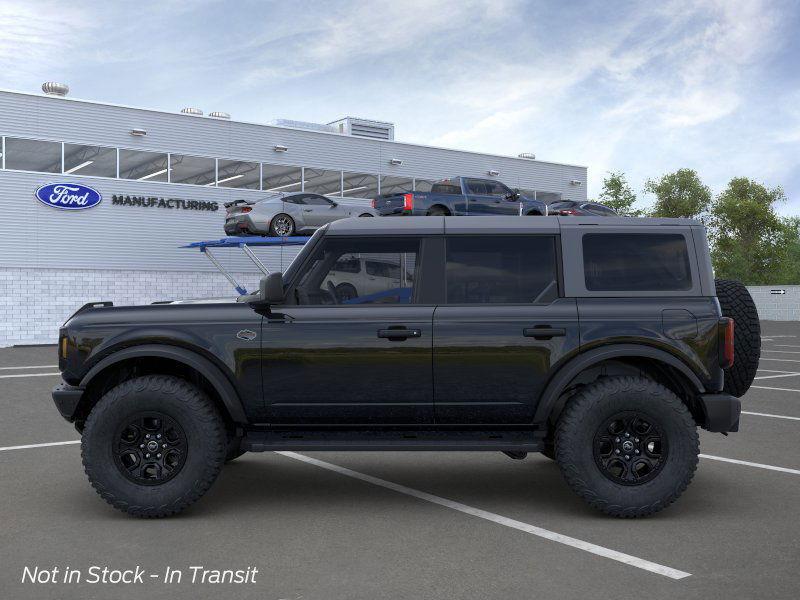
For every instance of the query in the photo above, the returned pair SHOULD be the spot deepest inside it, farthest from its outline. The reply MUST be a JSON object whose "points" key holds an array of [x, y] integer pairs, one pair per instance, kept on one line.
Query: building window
{"points": [[237, 174], [33, 155], [194, 170], [97, 161], [280, 178], [396, 185], [144, 166], [359, 185], [423, 185], [321, 181]]}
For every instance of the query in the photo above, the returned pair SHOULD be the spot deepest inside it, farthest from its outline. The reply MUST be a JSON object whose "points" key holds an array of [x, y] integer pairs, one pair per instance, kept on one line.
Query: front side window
{"points": [[636, 262], [477, 187], [144, 166], [33, 155], [501, 270], [97, 161], [315, 200], [495, 188], [334, 274]]}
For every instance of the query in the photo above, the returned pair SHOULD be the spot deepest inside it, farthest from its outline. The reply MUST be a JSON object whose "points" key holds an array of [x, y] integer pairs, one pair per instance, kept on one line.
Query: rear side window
{"points": [[636, 262], [501, 270]]}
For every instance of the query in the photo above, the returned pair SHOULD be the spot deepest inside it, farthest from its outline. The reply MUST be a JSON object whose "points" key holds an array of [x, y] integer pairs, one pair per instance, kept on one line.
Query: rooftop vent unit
{"points": [[377, 130], [192, 111], [51, 88], [527, 155], [219, 115], [303, 125]]}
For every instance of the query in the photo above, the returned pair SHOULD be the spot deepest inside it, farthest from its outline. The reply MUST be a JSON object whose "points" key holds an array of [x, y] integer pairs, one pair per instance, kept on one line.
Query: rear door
{"points": [[503, 326]]}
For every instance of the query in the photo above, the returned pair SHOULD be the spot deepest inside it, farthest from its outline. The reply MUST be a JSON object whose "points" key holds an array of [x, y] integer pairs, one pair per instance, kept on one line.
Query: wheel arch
{"points": [[652, 362], [444, 207], [114, 368]]}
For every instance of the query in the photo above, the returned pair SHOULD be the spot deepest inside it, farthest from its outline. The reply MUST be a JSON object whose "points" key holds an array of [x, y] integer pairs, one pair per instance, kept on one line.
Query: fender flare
{"points": [[202, 365], [587, 359]]}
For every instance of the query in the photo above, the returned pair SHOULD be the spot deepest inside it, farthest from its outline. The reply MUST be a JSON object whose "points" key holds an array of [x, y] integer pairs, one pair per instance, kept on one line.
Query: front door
{"points": [[487, 197], [501, 330], [350, 347], [319, 210]]}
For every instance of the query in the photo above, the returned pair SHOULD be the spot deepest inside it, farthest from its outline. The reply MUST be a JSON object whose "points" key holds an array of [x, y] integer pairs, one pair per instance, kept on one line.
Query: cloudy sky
{"points": [[641, 87]]}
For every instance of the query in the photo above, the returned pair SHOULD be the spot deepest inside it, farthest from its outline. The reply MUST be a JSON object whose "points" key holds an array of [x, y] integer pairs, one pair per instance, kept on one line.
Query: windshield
{"points": [[288, 274]]}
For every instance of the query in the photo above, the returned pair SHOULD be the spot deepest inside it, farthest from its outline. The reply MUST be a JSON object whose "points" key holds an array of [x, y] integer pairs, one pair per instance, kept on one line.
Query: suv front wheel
{"points": [[153, 445], [627, 445]]}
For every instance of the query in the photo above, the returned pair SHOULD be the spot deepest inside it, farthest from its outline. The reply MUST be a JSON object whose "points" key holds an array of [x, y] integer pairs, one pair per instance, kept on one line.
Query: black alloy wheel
{"points": [[150, 448], [630, 448]]}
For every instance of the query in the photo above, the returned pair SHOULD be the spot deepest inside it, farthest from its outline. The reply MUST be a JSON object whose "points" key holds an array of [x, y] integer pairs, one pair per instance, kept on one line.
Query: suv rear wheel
{"points": [[627, 445], [153, 445]]}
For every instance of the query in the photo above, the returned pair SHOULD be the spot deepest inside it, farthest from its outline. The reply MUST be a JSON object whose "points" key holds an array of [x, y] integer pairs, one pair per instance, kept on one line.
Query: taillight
{"points": [[374, 200], [408, 202], [246, 209], [726, 326]]}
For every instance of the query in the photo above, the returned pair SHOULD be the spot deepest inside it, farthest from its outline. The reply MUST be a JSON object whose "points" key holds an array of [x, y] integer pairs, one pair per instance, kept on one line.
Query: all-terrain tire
{"points": [[737, 304], [184, 404], [586, 414]]}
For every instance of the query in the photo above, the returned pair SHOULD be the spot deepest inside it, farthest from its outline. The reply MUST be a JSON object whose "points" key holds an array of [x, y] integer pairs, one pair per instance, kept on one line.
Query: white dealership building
{"points": [[161, 180]]}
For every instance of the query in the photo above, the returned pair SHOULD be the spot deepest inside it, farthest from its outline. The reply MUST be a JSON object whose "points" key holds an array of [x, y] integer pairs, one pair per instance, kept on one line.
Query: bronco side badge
{"points": [[246, 334]]}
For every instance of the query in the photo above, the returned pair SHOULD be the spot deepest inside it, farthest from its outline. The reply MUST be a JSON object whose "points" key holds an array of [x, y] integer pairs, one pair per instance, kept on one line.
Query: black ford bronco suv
{"points": [[603, 343]]}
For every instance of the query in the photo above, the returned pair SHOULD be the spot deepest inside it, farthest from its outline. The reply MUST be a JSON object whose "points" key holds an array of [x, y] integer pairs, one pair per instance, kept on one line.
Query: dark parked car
{"points": [[287, 213], [573, 208], [460, 196], [603, 343]]}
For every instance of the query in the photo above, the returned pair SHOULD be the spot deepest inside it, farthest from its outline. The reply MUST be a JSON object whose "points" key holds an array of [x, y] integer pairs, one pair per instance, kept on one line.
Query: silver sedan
{"points": [[285, 214]]}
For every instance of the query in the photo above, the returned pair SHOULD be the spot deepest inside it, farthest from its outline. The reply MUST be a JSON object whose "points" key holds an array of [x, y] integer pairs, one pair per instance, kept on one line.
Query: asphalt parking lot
{"points": [[410, 525]]}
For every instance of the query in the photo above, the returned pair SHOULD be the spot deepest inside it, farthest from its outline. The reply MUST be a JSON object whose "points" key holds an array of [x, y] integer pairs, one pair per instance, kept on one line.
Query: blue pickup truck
{"points": [[465, 196]]}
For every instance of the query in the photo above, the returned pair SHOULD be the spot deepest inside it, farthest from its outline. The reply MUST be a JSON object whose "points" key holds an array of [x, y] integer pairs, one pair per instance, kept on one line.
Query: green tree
{"points": [[679, 194], [617, 194], [750, 241]]}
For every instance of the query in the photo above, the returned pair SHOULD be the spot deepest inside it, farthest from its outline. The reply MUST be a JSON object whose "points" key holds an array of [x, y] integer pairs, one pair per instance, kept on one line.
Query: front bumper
{"points": [[67, 398], [721, 411]]}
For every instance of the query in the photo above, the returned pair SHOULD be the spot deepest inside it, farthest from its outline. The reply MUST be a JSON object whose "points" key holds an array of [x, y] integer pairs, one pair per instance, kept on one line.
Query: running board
{"points": [[495, 441]]}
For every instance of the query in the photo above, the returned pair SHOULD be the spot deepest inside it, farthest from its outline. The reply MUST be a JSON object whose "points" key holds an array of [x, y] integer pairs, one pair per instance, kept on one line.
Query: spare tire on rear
{"points": [[737, 304]]}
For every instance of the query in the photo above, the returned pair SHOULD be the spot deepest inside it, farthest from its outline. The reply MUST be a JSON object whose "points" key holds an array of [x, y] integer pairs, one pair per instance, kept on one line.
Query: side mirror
{"points": [[270, 288], [334, 204]]}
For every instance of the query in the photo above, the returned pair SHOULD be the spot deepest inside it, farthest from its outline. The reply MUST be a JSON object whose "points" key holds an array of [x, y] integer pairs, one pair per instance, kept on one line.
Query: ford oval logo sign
{"points": [[68, 196]]}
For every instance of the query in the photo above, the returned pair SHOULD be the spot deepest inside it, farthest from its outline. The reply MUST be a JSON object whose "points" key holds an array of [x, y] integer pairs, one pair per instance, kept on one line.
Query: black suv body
{"points": [[571, 336]]}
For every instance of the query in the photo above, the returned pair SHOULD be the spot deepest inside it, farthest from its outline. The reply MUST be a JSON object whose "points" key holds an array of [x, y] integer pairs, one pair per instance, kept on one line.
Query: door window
{"points": [[315, 200], [334, 275], [495, 188], [477, 187], [501, 270]]}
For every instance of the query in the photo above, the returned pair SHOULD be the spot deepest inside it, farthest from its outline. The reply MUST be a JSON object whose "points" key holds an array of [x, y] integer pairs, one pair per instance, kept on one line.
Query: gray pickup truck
{"points": [[461, 196]]}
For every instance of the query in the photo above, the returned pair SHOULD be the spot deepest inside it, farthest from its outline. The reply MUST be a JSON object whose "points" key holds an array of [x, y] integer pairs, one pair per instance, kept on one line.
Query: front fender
{"points": [[202, 365]]}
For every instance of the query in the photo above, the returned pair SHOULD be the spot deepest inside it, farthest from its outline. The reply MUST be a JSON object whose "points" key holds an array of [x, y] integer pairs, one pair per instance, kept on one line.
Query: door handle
{"points": [[398, 335], [544, 333], [308, 209]]}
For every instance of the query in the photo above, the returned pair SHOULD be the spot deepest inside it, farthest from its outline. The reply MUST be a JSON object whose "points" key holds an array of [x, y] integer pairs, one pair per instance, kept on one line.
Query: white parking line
{"points": [[39, 445], [776, 376], [634, 561], [757, 414], [786, 346], [28, 375], [751, 464], [763, 387], [780, 359], [781, 351], [33, 367]]}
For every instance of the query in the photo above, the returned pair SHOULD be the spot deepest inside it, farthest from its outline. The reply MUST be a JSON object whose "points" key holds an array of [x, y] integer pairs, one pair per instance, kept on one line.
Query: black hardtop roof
{"points": [[490, 225]]}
